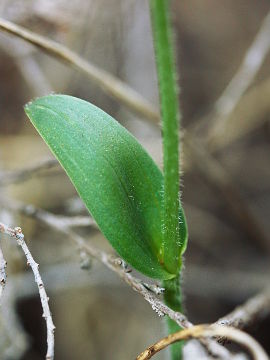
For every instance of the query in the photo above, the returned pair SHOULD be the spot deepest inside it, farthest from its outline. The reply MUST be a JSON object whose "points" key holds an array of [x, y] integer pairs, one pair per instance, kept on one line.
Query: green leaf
{"points": [[117, 180]]}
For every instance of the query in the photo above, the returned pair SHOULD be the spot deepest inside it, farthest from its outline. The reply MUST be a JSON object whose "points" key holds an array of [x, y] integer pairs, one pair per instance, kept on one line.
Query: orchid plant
{"points": [[136, 205]]}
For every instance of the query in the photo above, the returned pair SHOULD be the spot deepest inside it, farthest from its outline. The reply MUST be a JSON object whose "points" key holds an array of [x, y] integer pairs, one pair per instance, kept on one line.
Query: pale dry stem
{"points": [[18, 235]]}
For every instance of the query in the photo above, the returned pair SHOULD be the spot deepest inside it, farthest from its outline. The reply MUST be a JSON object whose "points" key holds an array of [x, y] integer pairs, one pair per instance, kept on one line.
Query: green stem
{"points": [[172, 298], [174, 238], [170, 115]]}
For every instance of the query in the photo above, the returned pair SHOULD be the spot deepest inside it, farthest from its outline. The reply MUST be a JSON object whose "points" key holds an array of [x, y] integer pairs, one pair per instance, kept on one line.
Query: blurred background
{"points": [[225, 161]]}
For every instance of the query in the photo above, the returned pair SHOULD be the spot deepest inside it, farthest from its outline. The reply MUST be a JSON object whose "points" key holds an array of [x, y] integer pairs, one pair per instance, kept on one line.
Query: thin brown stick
{"points": [[205, 331], [3, 275], [109, 83], [18, 235]]}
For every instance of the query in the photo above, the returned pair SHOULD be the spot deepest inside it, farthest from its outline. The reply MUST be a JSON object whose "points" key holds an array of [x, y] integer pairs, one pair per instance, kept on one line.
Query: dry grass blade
{"points": [[205, 331]]}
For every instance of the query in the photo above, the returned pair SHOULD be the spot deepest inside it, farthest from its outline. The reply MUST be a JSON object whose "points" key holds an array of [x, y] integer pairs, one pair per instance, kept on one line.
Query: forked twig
{"points": [[205, 331], [18, 235]]}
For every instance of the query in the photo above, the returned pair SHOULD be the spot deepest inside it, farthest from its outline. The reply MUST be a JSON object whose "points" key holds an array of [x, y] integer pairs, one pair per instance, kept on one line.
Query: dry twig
{"points": [[109, 83], [205, 331], [18, 235]]}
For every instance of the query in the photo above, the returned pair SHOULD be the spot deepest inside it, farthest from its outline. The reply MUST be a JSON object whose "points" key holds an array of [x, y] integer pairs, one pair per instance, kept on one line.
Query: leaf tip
{"points": [[27, 107]]}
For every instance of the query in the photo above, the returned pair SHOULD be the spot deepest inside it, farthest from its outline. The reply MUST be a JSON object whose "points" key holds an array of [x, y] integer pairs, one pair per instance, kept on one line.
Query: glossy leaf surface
{"points": [[118, 181]]}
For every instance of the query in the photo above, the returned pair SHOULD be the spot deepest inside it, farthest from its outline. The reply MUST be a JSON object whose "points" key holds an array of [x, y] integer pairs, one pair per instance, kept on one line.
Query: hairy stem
{"points": [[172, 298], [170, 127], [170, 116]]}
